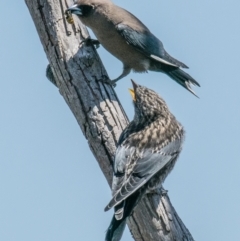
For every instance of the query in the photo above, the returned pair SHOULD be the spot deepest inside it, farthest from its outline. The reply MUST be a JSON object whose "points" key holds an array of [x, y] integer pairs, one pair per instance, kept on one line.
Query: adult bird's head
{"points": [[87, 9], [148, 104]]}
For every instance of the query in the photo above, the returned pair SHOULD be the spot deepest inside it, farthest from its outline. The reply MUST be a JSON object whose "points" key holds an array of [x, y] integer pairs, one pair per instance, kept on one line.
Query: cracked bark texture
{"points": [[77, 70]]}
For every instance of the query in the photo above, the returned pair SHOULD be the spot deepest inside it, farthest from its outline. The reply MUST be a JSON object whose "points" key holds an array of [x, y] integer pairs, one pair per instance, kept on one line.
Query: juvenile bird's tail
{"points": [[122, 211], [183, 79], [115, 229]]}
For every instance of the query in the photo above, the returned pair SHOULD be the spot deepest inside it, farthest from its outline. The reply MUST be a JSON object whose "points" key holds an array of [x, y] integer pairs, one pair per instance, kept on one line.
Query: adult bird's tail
{"points": [[183, 79]]}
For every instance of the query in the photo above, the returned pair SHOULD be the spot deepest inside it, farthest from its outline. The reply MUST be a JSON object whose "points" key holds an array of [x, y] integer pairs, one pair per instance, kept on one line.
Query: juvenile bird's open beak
{"points": [[135, 85], [132, 93], [74, 9]]}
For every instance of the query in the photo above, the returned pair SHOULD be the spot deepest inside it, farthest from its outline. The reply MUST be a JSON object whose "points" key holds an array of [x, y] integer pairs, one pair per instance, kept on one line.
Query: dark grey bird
{"points": [[129, 40], [147, 151]]}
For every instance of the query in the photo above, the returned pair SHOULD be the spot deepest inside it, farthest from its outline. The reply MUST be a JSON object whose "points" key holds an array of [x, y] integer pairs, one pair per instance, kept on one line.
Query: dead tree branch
{"points": [[77, 70]]}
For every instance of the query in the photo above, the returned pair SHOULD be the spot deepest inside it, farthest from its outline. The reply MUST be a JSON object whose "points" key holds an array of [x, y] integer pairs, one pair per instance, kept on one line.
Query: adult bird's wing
{"points": [[146, 43], [132, 171]]}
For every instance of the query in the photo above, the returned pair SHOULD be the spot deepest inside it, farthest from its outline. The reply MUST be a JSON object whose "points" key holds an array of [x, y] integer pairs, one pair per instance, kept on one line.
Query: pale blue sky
{"points": [[50, 185]]}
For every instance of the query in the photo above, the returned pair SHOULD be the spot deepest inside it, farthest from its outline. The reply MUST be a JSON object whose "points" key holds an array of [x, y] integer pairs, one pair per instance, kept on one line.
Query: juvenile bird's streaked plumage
{"points": [[147, 151], [129, 40]]}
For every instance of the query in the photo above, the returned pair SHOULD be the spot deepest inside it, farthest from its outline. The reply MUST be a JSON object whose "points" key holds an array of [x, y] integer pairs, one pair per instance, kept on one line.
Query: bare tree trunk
{"points": [[77, 70]]}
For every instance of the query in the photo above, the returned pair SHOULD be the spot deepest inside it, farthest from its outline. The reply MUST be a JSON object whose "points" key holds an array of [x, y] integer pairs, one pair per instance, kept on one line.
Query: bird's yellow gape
{"points": [[132, 94]]}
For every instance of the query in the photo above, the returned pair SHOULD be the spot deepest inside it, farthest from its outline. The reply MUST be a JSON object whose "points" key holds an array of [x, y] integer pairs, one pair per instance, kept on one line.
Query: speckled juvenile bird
{"points": [[147, 151], [129, 40]]}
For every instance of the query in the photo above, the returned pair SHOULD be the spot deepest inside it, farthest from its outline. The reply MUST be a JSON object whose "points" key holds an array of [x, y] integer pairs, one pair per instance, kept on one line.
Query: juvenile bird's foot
{"points": [[159, 191], [106, 80], [90, 41], [163, 191]]}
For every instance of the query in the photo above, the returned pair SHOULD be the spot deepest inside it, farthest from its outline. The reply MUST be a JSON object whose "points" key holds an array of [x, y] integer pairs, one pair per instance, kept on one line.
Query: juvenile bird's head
{"points": [[86, 9], [148, 104]]}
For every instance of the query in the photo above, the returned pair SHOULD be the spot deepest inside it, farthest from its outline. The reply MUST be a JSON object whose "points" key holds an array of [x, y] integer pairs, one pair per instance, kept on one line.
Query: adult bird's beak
{"points": [[75, 10]]}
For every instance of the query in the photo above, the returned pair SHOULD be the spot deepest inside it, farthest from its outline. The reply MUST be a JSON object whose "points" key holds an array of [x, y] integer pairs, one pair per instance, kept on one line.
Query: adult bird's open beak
{"points": [[74, 9]]}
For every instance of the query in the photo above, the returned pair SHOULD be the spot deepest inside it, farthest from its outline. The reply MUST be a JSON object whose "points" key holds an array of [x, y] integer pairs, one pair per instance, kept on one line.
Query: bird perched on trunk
{"points": [[147, 151], [129, 40]]}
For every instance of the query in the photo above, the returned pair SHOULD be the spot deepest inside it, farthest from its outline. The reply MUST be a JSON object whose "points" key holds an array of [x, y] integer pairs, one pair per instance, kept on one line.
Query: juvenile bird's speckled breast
{"points": [[155, 135]]}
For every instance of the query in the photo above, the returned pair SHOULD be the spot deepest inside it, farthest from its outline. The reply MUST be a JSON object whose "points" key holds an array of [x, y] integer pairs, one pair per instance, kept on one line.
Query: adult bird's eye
{"points": [[86, 9]]}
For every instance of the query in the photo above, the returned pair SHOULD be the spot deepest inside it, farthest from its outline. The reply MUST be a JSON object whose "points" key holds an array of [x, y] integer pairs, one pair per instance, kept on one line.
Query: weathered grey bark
{"points": [[77, 70]]}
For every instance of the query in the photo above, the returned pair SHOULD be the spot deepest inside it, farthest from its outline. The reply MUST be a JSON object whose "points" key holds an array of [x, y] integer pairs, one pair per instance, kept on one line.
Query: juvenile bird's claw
{"points": [[163, 191], [159, 191]]}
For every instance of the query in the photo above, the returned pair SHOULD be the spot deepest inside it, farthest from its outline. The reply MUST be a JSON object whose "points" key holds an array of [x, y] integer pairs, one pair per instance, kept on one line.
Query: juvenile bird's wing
{"points": [[146, 43], [132, 171]]}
